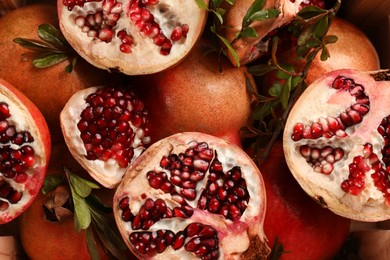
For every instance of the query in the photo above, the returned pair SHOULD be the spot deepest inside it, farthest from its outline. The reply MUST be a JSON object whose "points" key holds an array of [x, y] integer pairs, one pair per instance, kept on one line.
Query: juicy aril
{"points": [[132, 36], [24, 152], [197, 96], [339, 152], [304, 228], [192, 195], [106, 129]]}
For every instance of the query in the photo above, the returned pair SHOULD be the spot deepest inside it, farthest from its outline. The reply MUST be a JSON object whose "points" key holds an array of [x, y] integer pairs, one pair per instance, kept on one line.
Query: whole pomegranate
{"points": [[132, 36], [49, 88], [339, 151], [24, 152], [47, 227], [189, 196], [304, 228], [106, 129], [197, 96]]}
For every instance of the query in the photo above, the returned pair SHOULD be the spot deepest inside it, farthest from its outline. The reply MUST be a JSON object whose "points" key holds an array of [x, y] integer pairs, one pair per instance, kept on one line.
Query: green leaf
{"points": [[313, 43], [230, 49], [261, 69], [218, 15], [264, 15], [256, 6], [49, 60], [321, 27], [310, 11], [32, 44], [216, 3], [202, 5], [95, 202], [231, 2], [81, 186], [324, 54], [52, 35], [82, 214], [284, 75], [51, 182], [285, 94], [246, 32], [295, 81], [275, 90], [330, 39], [69, 68], [91, 244]]}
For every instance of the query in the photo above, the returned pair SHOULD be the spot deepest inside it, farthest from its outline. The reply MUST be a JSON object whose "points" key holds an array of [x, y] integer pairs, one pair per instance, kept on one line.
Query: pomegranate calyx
{"points": [[257, 249], [56, 207]]}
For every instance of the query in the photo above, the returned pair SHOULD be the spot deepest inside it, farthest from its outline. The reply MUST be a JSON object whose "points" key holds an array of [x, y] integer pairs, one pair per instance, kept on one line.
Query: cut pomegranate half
{"points": [[24, 152], [192, 195], [339, 152], [133, 36]]}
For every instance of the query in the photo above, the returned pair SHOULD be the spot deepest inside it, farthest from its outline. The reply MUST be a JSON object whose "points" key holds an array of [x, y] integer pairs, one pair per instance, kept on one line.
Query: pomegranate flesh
{"points": [[192, 195], [339, 152], [24, 152], [106, 129], [132, 36]]}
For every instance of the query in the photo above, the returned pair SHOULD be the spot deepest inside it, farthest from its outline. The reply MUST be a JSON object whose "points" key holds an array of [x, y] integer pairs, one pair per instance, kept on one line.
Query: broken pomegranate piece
{"points": [[339, 151], [192, 195]]}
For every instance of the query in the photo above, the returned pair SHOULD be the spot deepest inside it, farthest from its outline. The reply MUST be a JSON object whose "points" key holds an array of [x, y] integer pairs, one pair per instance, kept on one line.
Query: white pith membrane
{"points": [[108, 173], [251, 48], [23, 121], [233, 236], [320, 101], [145, 57]]}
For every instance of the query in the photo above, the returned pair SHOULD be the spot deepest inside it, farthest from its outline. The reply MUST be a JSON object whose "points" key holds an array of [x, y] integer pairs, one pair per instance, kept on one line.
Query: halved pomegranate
{"points": [[106, 129], [132, 36], [339, 152], [24, 151], [192, 195]]}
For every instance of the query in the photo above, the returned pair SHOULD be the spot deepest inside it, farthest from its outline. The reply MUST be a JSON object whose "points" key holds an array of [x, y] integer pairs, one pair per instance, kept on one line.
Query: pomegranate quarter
{"points": [[106, 129], [24, 152], [336, 143], [133, 36], [191, 196]]}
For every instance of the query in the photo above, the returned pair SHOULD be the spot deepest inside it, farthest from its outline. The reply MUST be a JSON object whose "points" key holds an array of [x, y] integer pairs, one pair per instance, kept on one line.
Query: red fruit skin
{"points": [[35, 183], [306, 230]]}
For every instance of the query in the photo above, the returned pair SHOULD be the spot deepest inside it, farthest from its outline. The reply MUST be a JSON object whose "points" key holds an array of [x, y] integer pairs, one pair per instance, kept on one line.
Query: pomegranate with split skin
{"points": [[132, 36], [189, 196], [197, 97], [304, 228], [339, 151], [106, 129], [251, 48], [24, 152]]}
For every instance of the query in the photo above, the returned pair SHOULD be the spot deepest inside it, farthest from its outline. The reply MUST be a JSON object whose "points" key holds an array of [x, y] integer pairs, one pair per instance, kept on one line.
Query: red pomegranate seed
{"points": [[178, 241]]}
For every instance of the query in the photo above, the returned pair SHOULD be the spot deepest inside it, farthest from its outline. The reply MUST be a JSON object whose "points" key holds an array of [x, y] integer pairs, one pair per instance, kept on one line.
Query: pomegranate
{"points": [[106, 129], [197, 96], [9, 5], [49, 88], [47, 228], [352, 50], [304, 228], [251, 48], [24, 152], [192, 195], [338, 152], [132, 36]]}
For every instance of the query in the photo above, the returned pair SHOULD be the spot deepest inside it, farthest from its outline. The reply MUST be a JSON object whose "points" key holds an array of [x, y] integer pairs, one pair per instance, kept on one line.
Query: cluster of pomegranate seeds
{"points": [[72, 3], [321, 159], [113, 123], [224, 193], [127, 41], [99, 25], [16, 156], [336, 126], [318, 3], [202, 240]]}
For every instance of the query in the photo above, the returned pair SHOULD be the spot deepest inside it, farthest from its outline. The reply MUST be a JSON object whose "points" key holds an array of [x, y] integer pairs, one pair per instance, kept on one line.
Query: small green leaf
{"points": [[310, 11], [261, 69], [218, 15], [284, 75], [330, 39], [321, 27], [52, 35], [81, 186], [231, 2], [91, 244], [285, 94], [49, 60], [324, 54], [51, 182], [82, 214], [256, 6], [230, 49], [264, 15], [295, 81], [302, 51], [32, 44], [275, 90], [313, 43], [69, 68], [246, 32], [202, 5]]}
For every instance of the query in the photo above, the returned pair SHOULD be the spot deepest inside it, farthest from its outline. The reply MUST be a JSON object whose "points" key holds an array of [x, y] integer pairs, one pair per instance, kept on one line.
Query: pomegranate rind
{"points": [[321, 101], [26, 116], [233, 244], [145, 57], [250, 48]]}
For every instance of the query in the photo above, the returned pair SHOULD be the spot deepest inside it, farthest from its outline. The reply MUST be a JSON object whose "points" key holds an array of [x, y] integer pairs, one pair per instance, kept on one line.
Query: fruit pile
{"points": [[160, 129]]}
